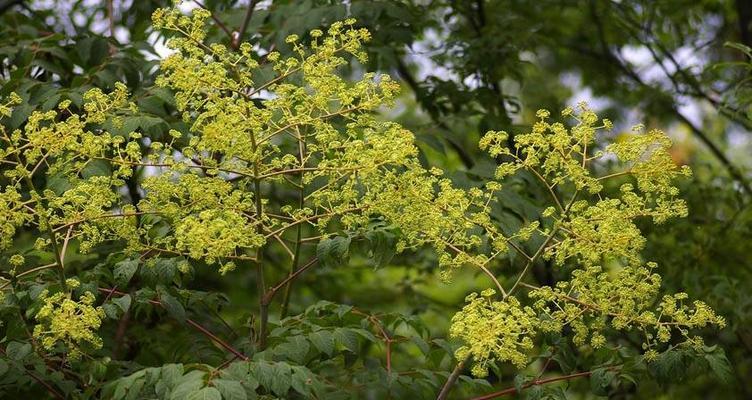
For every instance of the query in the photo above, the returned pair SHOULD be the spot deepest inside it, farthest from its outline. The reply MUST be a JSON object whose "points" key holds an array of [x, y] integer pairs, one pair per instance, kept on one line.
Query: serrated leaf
{"points": [[280, 379], [323, 340], [533, 393], [187, 385], [18, 351], [719, 364], [382, 246], [347, 338], [668, 367], [124, 271], [566, 358], [96, 168], [303, 381], [295, 348], [333, 252], [173, 306], [230, 390], [519, 381], [207, 393], [111, 311], [123, 302], [262, 371], [171, 373], [600, 381]]}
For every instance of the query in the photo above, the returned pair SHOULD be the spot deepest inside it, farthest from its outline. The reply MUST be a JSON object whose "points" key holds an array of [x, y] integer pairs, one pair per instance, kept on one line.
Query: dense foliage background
{"points": [[466, 67]]}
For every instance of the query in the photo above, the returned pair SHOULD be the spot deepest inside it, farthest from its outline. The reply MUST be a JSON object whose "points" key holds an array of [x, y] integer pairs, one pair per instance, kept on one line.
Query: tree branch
{"points": [[452, 379], [537, 382], [239, 34], [190, 322]]}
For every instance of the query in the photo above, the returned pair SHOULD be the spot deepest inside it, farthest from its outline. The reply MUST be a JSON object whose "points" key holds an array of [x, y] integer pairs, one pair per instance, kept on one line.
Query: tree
{"points": [[134, 212]]}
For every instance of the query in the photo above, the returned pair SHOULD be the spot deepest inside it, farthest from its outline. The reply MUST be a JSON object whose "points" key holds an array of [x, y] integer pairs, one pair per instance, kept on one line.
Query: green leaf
{"points": [[382, 246], [230, 390], [323, 340], [304, 381], [207, 393], [124, 271], [187, 385], [96, 168], [173, 306], [280, 383], [600, 381], [262, 371], [58, 183], [347, 338], [241, 372], [333, 252], [112, 311], [296, 348], [274, 377], [668, 367], [18, 351], [566, 358], [3, 367], [519, 381], [533, 393], [719, 363], [123, 302], [171, 373]]}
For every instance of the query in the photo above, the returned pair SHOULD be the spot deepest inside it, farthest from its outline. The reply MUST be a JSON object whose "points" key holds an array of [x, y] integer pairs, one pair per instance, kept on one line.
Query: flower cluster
{"points": [[611, 288], [72, 323], [494, 331]]}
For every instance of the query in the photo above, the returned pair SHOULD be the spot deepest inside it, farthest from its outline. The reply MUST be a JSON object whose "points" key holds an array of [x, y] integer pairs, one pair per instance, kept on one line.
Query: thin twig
{"points": [[39, 380], [452, 379], [190, 322], [217, 21], [271, 292], [513, 390], [239, 34]]}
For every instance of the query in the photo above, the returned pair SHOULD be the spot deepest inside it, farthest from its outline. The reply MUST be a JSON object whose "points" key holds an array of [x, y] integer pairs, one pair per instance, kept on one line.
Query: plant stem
{"points": [[39, 380], [452, 379], [260, 281], [43, 220], [299, 230], [190, 322], [536, 382], [237, 39]]}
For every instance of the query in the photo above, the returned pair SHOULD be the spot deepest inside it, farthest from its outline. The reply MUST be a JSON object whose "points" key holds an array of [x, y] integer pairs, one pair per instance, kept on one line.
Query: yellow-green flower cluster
{"points": [[624, 300], [494, 331], [588, 229], [12, 215], [71, 323]]}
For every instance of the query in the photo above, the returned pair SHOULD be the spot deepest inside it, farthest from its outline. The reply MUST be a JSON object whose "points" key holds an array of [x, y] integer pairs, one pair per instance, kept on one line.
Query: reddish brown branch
{"points": [[388, 340], [240, 33], [271, 292], [217, 21], [190, 322], [452, 379], [39, 380], [536, 382]]}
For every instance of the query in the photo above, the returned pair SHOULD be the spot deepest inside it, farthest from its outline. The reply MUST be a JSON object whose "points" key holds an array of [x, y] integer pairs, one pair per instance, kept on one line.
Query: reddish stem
{"points": [[388, 340], [192, 323], [536, 382], [39, 380]]}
